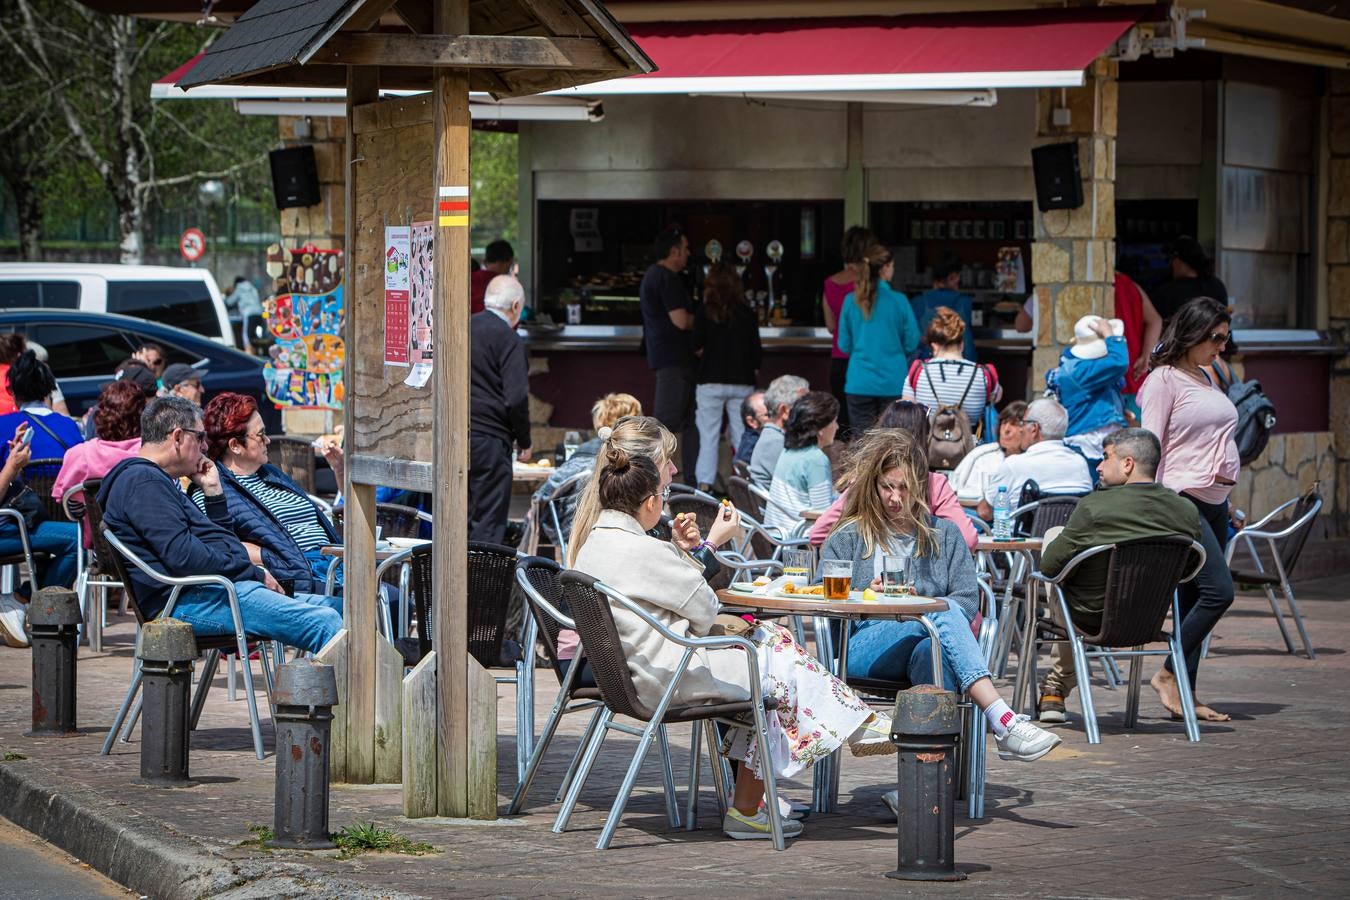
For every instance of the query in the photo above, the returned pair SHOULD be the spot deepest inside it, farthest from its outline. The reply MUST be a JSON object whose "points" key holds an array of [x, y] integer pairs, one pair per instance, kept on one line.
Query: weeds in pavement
{"points": [[14, 757], [261, 836], [370, 838]]}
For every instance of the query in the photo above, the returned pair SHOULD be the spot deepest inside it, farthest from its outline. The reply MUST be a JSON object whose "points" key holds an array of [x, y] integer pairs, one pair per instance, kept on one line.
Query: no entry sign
{"points": [[192, 244]]}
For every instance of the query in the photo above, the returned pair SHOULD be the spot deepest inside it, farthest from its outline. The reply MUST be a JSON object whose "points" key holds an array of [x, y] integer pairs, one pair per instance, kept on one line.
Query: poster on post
{"points": [[421, 325], [305, 319], [397, 259]]}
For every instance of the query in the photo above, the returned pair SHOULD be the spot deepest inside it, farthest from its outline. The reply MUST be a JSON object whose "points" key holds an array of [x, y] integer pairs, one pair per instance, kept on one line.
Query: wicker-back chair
{"points": [[1141, 583], [1035, 518], [744, 498], [1285, 545], [592, 604], [397, 520], [295, 457], [40, 475]]}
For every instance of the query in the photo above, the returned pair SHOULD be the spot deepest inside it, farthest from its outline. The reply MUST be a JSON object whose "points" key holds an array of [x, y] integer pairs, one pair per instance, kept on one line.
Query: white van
{"points": [[186, 298]]}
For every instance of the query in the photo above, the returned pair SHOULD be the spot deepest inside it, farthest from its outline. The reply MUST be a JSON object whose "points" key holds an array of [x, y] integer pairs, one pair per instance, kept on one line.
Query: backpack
{"points": [[950, 438], [1256, 414]]}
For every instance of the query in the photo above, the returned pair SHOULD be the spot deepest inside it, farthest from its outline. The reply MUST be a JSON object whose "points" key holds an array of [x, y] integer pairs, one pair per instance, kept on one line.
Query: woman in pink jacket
{"points": [[912, 417], [117, 428]]}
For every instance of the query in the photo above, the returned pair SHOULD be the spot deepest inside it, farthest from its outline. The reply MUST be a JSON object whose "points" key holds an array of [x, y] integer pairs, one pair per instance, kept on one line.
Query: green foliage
{"points": [[370, 838], [494, 197], [14, 757], [262, 837]]}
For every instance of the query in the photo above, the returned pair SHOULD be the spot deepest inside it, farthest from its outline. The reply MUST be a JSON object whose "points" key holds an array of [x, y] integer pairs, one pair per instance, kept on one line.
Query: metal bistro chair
{"points": [[746, 500], [296, 457], [590, 602], [40, 475], [564, 495], [1141, 583], [740, 469], [212, 645], [397, 520], [737, 563], [1285, 546]]}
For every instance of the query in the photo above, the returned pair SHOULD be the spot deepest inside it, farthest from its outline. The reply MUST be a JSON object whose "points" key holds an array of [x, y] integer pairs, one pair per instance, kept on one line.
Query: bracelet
{"points": [[707, 545]]}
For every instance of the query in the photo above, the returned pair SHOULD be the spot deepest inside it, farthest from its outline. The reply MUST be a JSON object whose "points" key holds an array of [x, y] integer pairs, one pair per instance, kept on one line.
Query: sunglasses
{"points": [[1219, 337]]}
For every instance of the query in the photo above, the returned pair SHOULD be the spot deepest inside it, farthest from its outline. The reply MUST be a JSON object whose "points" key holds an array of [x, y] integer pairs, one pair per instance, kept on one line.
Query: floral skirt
{"points": [[816, 712]]}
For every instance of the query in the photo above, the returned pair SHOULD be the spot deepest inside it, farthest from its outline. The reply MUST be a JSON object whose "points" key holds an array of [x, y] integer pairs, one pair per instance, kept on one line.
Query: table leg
{"points": [[1026, 664]]}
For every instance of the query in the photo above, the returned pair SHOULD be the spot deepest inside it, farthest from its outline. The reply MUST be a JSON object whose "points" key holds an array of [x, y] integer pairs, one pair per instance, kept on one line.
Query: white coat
{"points": [[669, 584]]}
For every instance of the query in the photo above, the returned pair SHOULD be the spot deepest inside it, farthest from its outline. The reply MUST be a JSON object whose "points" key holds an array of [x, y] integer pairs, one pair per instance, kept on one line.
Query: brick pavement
{"points": [[1260, 807]]}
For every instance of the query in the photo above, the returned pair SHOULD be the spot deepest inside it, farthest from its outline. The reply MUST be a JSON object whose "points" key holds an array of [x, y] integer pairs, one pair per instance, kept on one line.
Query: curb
{"points": [[144, 854]]}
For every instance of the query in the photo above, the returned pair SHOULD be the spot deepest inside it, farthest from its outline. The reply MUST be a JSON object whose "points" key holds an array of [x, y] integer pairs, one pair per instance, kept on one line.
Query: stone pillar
{"points": [[323, 225], [1073, 257], [1338, 289]]}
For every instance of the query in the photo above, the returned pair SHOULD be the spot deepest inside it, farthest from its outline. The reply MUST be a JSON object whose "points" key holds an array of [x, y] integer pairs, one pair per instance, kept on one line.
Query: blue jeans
{"points": [[902, 651], [307, 621], [318, 565], [55, 538]]}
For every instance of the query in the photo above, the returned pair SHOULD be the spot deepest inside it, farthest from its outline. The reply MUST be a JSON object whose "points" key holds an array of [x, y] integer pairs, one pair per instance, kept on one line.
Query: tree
{"points": [[492, 162], [101, 68]]}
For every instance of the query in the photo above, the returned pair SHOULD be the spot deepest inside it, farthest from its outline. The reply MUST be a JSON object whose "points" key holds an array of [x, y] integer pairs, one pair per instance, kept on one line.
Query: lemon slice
{"points": [[870, 595]]}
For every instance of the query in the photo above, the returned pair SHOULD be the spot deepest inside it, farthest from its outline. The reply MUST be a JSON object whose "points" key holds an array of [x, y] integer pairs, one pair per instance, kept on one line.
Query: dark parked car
{"points": [[84, 347]]}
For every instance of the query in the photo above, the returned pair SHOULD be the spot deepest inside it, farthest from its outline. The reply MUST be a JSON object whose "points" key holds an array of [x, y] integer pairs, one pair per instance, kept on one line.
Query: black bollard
{"points": [[305, 695], [54, 617], [167, 651], [925, 726]]}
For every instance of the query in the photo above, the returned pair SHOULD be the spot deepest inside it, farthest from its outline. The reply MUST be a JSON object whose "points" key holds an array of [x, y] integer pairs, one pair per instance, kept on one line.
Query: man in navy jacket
{"points": [[499, 407], [145, 508]]}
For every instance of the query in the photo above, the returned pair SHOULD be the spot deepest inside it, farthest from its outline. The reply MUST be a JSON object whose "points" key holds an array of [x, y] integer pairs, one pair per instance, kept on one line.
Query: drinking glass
{"points": [[571, 441], [838, 578], [895, 576], [798, 566]]}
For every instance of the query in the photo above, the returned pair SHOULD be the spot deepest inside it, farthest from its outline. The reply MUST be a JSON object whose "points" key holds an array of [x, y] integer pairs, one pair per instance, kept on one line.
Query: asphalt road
{"points": [[31, 867]]}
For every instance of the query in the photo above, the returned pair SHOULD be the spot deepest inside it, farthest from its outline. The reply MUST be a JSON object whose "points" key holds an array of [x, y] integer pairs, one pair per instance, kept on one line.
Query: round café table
{"points": [[384, 558], [825, 790], [811, 515], [1026, 548]]}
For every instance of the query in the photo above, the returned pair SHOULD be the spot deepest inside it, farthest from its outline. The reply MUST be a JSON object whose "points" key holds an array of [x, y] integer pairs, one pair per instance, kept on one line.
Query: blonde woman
{"points": [[886, 516], [606, 411], [878, 332], [816, 713]]}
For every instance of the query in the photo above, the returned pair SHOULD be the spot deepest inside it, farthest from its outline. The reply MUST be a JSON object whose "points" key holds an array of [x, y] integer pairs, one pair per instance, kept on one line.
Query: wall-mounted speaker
{"points": [[295, 176], [1059, 184]]}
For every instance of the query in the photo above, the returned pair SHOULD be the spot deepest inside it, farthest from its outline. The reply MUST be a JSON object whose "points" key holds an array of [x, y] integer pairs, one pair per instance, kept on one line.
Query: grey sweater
{"points": [[949, 574]]}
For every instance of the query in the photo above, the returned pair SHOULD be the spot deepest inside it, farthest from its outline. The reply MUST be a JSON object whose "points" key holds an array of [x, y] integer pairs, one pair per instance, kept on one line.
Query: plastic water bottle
{"points": [[1002, 515]]}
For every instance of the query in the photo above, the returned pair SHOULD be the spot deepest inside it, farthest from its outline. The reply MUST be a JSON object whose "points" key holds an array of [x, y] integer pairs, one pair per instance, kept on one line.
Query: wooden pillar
{"points": [[359, 516], [450, 381]]}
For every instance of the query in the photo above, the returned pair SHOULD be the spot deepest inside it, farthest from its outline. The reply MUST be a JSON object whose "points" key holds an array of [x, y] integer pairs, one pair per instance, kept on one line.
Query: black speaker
{"points": [[1059, 184], [295, 177]]}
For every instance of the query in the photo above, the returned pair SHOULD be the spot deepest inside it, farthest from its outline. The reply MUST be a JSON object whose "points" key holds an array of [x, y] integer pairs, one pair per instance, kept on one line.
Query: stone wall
{"points": [[1290, 465], [1338, 287]]}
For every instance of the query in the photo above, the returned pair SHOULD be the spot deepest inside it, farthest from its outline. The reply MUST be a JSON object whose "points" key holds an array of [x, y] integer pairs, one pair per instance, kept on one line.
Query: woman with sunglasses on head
{"points": [[1195, 422]]}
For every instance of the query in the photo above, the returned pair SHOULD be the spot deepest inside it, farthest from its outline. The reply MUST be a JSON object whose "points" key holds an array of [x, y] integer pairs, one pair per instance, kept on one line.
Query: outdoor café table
{"points": [[382, 555], [1025, 548], [825, 792], [811, 515], [524, 473]]}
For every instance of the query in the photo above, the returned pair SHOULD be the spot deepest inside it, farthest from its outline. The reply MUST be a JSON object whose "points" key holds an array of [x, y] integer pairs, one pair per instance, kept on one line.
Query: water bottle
{"points": [[1002, 515]]}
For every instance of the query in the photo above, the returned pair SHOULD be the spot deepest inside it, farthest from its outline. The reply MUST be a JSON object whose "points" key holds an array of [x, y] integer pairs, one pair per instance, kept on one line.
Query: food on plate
{"points": [[814, 590], [761, 581]]}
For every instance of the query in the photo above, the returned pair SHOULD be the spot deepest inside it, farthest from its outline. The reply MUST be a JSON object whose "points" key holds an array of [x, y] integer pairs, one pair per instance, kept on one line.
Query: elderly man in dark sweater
{"points": [[146, 509], [499, 406], [1130, 505]]}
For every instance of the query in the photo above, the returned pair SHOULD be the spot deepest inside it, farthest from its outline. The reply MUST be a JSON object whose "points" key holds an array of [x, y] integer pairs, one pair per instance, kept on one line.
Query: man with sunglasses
{"points": [[146, 509]]}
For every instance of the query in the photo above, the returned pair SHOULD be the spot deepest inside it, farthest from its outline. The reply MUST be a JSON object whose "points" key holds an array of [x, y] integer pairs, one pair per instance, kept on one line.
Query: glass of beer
{"points": [[798, 566], [895, 576], [838, 574]]}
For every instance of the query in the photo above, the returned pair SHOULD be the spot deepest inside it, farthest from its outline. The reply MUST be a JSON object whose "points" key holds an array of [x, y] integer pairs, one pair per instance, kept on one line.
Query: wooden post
{"points": [[419, 739], [388, 713], [334, 653], [450, 381], [359, 593]]}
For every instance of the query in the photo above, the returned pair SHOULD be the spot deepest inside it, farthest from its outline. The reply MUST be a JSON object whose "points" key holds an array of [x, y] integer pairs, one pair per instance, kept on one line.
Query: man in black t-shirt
{"points": [[1192, 276], [667, 332]]}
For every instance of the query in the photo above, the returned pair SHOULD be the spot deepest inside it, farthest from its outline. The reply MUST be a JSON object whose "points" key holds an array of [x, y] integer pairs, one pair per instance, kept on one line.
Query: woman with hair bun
{"points": [[878, 332], [816, 713], [948, 378], [604, 413]]}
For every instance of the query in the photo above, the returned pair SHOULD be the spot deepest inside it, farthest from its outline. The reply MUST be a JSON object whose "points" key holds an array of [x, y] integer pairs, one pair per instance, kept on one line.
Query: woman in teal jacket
{"points": [[878, 332]]}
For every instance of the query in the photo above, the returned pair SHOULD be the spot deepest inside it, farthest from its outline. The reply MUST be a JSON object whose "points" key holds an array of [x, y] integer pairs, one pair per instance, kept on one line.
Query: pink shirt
{"points": [[91, 459], [941, 498], [834, 299], [1195, 423]]}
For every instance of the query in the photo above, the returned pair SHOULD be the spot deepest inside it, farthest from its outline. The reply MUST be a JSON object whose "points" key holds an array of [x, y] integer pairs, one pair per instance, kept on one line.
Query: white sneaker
{"points": [[1026, 742], [873, 737], [13, 616], [892, 801], [788, 809], [738, 826]]}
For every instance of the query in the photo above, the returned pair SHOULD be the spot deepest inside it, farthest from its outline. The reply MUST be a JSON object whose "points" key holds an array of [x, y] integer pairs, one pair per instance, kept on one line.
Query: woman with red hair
{"points": [[282, 528], [117, 436]]}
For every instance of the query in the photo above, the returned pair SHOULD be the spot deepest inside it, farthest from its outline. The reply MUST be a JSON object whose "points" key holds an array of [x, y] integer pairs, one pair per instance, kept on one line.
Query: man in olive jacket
{"points": [[1129, 505]]}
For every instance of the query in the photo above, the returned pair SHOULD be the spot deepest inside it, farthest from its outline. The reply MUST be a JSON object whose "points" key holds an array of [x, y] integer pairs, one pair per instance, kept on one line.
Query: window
{"points": [[76, 351], [41, 294], [184, 304]]}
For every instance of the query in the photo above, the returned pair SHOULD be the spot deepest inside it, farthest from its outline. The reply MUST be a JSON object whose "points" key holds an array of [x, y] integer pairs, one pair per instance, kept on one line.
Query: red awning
{"points": [[1037, 48]]}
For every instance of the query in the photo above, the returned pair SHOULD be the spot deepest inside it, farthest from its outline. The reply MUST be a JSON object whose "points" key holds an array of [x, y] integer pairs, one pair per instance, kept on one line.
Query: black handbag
{"points": [[25, 500]]}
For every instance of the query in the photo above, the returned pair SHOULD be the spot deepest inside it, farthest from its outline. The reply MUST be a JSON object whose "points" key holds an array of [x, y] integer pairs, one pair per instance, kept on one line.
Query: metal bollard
{"points": [[305, 695], [925, 726], [54, 617], [167, 651]]}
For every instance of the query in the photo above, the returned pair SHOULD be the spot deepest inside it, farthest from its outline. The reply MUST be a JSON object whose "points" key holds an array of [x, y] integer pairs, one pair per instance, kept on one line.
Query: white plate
{"points": [[403, 543]]}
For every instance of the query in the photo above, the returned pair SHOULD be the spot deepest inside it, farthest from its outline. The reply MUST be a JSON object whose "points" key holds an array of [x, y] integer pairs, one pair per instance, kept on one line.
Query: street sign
{"points": [[192, 244]]}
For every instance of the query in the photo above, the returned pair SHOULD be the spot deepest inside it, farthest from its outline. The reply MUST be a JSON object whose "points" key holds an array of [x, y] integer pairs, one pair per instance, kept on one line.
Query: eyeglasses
{"points": [[200, 435], [261, 436], [1025, 423], [1220, 338], [664, 494]]}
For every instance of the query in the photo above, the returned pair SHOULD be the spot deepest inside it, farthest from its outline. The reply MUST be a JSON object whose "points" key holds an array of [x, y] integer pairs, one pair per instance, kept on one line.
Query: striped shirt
{"points": [[296, 512], [801, 480], [949, 379]]}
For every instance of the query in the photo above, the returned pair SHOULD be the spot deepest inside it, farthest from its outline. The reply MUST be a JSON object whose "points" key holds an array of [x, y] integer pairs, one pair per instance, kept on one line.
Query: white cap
{"points": [[1086, 343]]}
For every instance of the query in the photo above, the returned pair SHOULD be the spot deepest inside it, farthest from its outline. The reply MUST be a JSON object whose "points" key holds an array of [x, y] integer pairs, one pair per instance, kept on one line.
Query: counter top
{"points": [[626, 337]]}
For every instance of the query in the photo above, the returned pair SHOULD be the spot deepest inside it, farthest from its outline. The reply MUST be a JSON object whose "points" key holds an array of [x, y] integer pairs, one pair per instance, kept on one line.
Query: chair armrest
{"points": [[397, 559], [1253, 531], [1024, 508], [1272, 514], [1072, 564], [707, 643], [549, 609]]}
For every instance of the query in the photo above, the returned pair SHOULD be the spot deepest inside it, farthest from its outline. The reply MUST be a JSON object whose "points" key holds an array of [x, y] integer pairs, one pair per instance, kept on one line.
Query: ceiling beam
{"points": [[368, 16], [467, 51], [416, 16]]}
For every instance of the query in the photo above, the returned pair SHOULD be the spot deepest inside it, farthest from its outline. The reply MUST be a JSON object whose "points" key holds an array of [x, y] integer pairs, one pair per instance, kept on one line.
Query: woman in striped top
{"points": [[278, 523], [949, 379], [801, 479]]}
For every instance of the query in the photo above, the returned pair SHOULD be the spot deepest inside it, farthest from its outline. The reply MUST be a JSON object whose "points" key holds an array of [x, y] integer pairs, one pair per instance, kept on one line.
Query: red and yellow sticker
{"points": [[452, 207]]}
